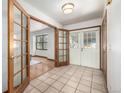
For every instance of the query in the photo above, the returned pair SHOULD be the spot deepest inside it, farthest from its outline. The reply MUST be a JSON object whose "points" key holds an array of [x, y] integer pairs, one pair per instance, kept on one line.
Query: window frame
{"points": [[41, 42]]}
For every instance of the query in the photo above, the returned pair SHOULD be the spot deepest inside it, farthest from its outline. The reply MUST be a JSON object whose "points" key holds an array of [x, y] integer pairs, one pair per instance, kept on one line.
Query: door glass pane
{"points": [[60, 40], [17, 32], [24, 61], [24, 47], [60, 46], [93, 39], [17, 64], [24, 20], [74, 41], [17, 15], [61, 52], [89, 40], [65, 58], [60, 33], [65, 46], [24, 34], [61, 58], [17, 79], [17, 48], [24, 73], [64, 40], [65, 52]]}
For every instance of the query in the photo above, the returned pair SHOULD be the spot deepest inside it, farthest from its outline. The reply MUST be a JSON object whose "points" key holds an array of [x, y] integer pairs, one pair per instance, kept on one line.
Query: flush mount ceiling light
{"points": [[68, 8]]}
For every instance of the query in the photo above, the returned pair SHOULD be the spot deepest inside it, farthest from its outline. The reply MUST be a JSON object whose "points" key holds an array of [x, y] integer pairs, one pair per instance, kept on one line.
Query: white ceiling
{"points": [[84, 9], [36, 26]]}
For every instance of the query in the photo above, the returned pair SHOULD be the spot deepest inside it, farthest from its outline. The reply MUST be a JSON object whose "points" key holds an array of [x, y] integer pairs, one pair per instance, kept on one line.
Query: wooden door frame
{"points": [[11, 4]]}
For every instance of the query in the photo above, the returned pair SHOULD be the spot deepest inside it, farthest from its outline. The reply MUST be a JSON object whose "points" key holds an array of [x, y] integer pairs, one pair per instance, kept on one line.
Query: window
{"points": [[90, 39], [74, 40], [41, 42]]}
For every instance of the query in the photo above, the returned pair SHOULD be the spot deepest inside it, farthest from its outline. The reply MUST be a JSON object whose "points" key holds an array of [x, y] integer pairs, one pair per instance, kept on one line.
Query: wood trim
{"points": [[56, 47], [28, 48], [20, 24], [21, 88], [85, 28], [44, 57], [20, 7], [10, 46], [21, 48], [68, 48], [41, 21]]}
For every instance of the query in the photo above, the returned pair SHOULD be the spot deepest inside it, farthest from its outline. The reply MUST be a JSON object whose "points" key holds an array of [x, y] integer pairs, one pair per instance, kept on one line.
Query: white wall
{"points": [[4, 46], [47, 53], [88, 23], [114, 47]]}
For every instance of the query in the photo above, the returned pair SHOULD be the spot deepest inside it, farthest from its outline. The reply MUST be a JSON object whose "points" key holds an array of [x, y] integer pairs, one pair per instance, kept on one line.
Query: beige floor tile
{"points": [[29, 87], [87, 78], [51, 90], [97, 91], [99, 87], [75, 79], [66, 76], [49, 81], [58, 85], [85, 82], [42, 87], [34, 90], [78, 91], [84, 88], [68, 89], [42, 77], [72, 84], [63, 80], [35, 82], [54, 76]]}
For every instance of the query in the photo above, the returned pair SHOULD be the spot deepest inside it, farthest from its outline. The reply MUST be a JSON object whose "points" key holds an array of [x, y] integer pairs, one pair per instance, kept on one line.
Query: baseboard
{"points": [[44, 57]]}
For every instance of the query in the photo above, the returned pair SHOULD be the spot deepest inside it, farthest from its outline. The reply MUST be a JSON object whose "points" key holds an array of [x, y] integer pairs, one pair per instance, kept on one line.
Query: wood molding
{"points": [[44, 57]]}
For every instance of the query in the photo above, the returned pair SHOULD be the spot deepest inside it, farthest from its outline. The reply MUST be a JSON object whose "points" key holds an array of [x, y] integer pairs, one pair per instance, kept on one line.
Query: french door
{"points": [[18, 48], [62, 48], [85, 48]]}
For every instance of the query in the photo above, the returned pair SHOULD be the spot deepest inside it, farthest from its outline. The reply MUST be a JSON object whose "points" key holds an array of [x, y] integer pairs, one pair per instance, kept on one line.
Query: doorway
{"points": [[42, 51], [85, 47]]}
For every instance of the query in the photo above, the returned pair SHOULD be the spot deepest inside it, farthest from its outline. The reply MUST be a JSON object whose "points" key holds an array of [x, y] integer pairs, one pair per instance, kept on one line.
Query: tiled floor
{"points": [[69, 79], [41, 68]]}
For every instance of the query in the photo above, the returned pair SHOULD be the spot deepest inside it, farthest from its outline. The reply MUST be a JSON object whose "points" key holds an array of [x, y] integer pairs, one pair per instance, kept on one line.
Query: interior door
{"points": [[18, 48], [62, 47], [85, 47], [90, 49]]}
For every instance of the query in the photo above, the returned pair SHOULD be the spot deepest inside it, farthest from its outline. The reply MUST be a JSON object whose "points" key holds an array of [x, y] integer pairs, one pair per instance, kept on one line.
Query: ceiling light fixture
{"points": [[68, 8]]}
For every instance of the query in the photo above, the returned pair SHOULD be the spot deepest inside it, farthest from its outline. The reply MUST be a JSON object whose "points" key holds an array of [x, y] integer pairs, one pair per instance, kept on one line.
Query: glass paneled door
{"points": [[62, 48], [85, 47], [18, 48]]}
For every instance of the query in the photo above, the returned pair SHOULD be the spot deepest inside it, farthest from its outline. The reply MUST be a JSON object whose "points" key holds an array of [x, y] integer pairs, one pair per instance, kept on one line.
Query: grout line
{"points": [[79, 82], [91, 82], [64, 70]]}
